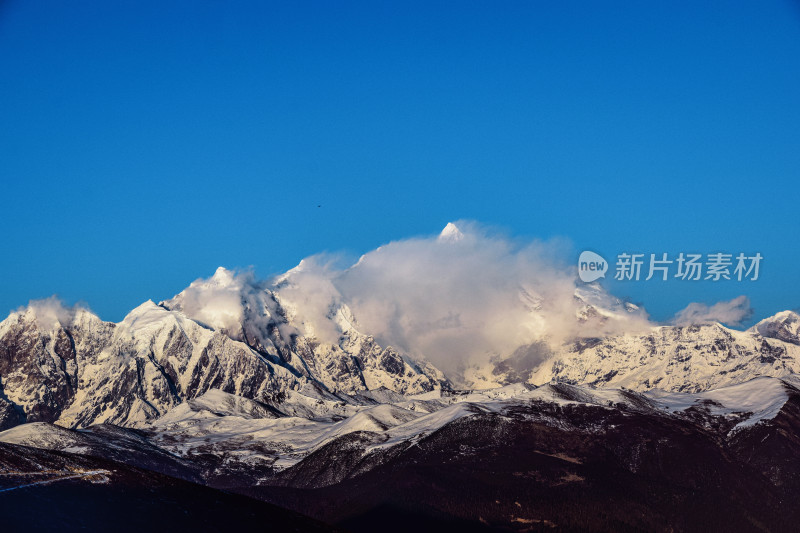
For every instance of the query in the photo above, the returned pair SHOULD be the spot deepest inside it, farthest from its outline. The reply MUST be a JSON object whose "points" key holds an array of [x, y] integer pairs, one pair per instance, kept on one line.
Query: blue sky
{"points": [[146, 143]]}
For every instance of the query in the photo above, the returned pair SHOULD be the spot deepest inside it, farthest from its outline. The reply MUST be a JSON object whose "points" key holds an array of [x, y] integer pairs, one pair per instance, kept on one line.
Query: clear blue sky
{"points": [[142, 144]]}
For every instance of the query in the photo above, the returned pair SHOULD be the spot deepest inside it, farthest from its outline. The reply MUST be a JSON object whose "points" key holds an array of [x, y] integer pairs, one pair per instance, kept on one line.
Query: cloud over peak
{"points": [[465, 296], [51, 313]]}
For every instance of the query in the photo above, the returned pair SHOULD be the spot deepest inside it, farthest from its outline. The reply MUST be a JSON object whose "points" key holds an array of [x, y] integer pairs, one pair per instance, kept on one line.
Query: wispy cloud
{"points": [[464, 296], [52, 312], [731, 313], [234, 302]]}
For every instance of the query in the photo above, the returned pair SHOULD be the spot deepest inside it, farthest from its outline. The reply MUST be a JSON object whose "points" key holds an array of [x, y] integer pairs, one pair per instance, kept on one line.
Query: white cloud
{"points": [[51, 312], [461, 297], [731, 313], [234, 302], [309, 297]]}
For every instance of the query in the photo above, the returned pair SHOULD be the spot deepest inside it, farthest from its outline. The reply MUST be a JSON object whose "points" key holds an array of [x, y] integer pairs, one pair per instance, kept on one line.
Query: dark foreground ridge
{"points": [[534, 466], [546, 468], [43, 490]]}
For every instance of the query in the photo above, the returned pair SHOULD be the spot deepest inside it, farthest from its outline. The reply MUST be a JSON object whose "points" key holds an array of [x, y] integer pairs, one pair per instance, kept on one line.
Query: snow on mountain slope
{"points": [[42, 355], [328, 347], [70, 367], [86, 371], [103, 441], [784, 326], [749, 403], [224, 404], [295, 346], [257, 442], [758, 399], [48, 436], [280, 443], [283, 442], [221, 436], [451, 233], [687, 359], [592, 311], [333, 341], [378, 418], [155, 359]]}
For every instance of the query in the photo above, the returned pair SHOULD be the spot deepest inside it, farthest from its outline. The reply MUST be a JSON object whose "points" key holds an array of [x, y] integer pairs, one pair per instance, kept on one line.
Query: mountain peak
{"points": [[451, 233], [222, 276], [783, 326], [51, 313], [144, 307]]}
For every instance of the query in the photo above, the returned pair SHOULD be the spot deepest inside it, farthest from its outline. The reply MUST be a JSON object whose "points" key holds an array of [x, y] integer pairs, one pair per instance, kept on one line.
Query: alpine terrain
{"points": [[241, 403]]}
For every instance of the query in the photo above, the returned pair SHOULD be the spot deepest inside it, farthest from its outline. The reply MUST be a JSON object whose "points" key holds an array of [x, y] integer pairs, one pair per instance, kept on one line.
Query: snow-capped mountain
{"points": [[675, 358], [76, 370], [269, 321], [238, 431], [282, 442], [288, 391], [784, 326], [514, 454], [266, 341]]}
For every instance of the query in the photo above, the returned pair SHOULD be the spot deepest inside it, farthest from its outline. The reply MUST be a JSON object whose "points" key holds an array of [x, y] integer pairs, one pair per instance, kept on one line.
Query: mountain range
{"points": [[275, 392]]}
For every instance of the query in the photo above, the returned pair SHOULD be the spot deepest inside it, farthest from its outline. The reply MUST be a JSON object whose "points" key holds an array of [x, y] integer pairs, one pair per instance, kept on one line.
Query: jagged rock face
{"points": [[157, 359], [39, 366], [257, 342], [10, 415], [784, 326], [359, 363], [688, 359], [81, 371], [268, 320]]}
